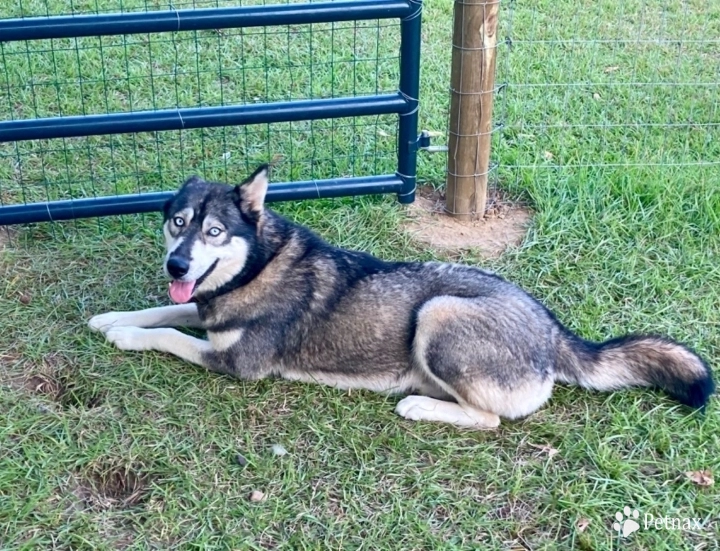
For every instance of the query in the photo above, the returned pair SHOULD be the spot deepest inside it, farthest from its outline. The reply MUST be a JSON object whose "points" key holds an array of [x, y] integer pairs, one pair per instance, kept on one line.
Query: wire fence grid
{"points": [[607, 86], [99, 75]]}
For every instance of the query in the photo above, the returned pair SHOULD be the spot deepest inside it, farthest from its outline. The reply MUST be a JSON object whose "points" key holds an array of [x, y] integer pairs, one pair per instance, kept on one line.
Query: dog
{"points": [[465, 346]]}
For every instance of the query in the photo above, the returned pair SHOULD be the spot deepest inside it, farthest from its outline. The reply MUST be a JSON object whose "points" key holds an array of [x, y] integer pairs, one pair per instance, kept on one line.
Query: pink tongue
{"points": [[181, 291]]}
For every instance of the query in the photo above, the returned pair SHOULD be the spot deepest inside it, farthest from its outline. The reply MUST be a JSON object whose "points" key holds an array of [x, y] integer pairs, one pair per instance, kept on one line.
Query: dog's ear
{"points": [[250, 195], [192, 181], [166, 207]]}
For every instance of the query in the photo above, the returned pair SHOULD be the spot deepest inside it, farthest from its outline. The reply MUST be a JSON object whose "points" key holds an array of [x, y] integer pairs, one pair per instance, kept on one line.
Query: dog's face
{"points": [[209, 229]]}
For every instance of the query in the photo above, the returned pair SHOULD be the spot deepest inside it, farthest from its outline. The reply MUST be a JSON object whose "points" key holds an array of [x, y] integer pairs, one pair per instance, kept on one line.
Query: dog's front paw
{"points": [[129, 338], [105, 322]]}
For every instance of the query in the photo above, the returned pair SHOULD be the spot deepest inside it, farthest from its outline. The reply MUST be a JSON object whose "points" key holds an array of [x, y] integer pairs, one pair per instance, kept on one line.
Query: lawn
{"points": [[608, 130]]}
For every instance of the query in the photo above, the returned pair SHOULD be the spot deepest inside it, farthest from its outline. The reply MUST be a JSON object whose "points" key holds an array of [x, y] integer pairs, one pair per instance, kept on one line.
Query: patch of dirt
{"points": [[73, 395], [53, 377], [44, 385], [504, 224], [516, 510], [110, 488]]}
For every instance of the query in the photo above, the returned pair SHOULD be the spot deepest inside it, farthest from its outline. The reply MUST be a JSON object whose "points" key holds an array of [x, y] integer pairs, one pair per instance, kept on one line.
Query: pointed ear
{"points": [[166, 207], [192, 181], [250, 195]]}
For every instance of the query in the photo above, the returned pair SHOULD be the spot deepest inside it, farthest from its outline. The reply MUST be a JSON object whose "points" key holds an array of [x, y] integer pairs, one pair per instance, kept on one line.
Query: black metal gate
{"points": [[404, 102]]}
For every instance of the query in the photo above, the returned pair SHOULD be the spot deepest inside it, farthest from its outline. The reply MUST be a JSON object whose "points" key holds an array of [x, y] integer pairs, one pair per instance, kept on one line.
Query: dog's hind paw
{"points": [[423, 408], [105, 322], [411, 407]]}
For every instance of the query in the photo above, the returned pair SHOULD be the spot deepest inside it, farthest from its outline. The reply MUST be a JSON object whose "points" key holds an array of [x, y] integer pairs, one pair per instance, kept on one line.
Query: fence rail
{"points": [[132, 203], [71, 26], [202, 117]]}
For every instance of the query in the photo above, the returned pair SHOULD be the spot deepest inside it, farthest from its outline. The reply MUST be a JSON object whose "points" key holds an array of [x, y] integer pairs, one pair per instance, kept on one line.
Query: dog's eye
{"points": [[214, 232], [179, 222]]}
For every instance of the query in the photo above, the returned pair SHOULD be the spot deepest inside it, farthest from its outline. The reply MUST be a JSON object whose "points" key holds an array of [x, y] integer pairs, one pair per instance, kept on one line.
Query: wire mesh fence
{"points": [[607, 87], [128, 73]]}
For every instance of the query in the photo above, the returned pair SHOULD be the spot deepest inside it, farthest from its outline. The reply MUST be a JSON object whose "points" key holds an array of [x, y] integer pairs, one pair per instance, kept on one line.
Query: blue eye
{"points": [[179, 222], [214, 232]]}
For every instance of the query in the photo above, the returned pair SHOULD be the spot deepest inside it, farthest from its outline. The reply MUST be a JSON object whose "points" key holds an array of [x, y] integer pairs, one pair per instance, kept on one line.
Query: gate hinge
{"points": [[423, 142]]}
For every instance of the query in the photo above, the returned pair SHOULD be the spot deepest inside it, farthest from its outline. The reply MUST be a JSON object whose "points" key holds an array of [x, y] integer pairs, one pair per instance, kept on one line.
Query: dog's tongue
{"points": [[181, 291]]}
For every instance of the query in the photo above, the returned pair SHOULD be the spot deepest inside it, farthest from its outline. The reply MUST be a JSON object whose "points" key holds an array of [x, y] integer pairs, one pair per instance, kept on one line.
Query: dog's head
{"points": [[209, 230]]}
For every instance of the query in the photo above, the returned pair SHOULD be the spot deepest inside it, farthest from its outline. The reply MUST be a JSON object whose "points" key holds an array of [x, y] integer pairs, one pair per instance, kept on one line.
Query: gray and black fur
{"points": [[465, 345]]}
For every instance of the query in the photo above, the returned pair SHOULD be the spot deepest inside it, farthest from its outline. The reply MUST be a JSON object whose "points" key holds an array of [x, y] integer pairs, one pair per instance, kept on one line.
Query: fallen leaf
{"points": [[549, 156], [257, 496], [701, 478], [546, 449], [582, 524], [382, 133], [611, 69]]}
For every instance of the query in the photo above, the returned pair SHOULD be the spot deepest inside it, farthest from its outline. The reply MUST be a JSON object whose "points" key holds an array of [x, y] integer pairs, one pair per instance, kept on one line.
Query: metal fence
{"points": [[607, 89], [107, 105]]}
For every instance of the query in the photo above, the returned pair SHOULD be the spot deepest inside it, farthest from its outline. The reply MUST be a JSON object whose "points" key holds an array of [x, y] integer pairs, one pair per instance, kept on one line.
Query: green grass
{"points": [[101, 449]]}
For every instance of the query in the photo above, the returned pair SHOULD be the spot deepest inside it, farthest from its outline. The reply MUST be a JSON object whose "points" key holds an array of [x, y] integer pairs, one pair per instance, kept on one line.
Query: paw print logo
{"points": [[626, 523]]}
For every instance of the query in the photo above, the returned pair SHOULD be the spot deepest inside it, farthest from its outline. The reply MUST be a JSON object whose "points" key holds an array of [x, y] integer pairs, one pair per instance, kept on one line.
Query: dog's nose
{"points": [[177, 266]]}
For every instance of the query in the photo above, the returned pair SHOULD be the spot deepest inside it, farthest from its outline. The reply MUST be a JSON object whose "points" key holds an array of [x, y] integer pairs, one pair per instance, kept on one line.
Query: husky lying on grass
{"points": [[464, 345]]}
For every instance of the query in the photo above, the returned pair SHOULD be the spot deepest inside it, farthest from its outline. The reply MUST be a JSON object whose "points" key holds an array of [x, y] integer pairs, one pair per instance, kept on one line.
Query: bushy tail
{"points": [[636, 361]]}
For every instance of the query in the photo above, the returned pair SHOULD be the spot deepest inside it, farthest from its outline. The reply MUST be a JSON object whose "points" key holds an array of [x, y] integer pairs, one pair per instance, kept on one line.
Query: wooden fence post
{"points": [[472, 90]]}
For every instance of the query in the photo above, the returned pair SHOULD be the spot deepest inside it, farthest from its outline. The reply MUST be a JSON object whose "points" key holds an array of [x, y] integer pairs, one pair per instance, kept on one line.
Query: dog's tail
{"points": [[636, 361]]}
